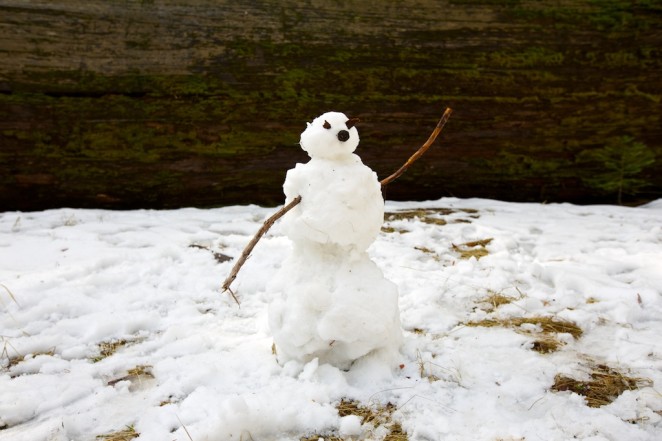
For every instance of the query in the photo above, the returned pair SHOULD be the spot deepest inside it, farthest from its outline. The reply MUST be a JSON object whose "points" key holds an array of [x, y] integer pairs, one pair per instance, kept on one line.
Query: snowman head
{"points": [[330, 136]]}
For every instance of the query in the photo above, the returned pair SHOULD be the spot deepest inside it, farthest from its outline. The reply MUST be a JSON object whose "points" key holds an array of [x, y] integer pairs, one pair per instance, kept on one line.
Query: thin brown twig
{"points": [[184, 427], [10, 294], [249, 248], [422, 149]]}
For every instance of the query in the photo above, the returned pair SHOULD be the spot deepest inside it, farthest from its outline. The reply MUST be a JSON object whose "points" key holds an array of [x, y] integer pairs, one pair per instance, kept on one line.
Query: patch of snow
{"points": [[73, 279]]}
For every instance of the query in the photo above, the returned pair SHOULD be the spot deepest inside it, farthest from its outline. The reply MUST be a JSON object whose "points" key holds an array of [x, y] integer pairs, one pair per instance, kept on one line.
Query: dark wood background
{"points": [[160, 104]]}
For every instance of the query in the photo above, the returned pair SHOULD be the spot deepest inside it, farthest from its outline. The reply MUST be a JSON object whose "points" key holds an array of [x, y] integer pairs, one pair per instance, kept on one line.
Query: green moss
{"points": [[532, 87], [535, 56]]}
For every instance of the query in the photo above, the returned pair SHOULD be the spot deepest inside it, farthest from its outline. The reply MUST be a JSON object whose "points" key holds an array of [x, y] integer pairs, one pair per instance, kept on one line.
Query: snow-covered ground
{"points": [[114, 320]]}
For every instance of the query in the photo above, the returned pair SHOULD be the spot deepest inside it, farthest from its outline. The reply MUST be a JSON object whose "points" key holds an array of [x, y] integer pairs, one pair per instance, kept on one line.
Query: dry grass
{"points": [[375, 415], [545, 339], [137, 374], [494, 300], [394, 230], [433, 221], [351, 407], [13, 361], [141, 370], [126, 434], [426, 215], [170, 400], [6, 347], [430, 216], [546, 344], [219, 257], [605, 385], [424, 368], [108, 348], [396, 433], [69, 220], [550, 325], [427, 250], [478, 243], [475, 248], [321, 437], [10, 294]]}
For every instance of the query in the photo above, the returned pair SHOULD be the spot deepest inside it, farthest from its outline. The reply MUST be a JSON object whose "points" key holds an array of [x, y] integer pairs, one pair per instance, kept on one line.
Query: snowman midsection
{"points": [[357, 235], [329, 282], [334, 183], [338, 214]]}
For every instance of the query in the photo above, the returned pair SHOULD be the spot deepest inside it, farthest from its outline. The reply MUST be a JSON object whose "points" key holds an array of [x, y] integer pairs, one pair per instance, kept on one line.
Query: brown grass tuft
{"points": [[427, 250], [136, 375], [546, 344], [494, 300], [545, 340], [426, 372], [430, 216], [141, 370], [550, 325], [394, 230], [475, 248], [351, 407], [127, 434], [377, 416], [108, 348], [605, 385], [13, 361], [420, 213], [321, 437], [396, 433], [478, 243]]}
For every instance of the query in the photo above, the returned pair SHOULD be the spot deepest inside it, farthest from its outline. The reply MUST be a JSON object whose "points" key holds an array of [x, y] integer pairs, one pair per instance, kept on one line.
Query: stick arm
{"points": [[422, 149], [249, 248]]}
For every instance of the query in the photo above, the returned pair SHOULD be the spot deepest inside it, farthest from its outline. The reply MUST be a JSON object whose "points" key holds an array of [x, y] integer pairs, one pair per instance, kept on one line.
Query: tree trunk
{"points": [[174, 103]]}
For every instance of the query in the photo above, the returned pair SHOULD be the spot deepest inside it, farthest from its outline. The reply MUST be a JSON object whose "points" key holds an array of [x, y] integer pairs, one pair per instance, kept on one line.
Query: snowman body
{"points": [[341, 203], [334, 302]]}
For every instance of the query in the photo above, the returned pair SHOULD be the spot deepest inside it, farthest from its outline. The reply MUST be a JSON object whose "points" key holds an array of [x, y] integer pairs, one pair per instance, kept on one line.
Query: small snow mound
{"points": [[655, 205]]}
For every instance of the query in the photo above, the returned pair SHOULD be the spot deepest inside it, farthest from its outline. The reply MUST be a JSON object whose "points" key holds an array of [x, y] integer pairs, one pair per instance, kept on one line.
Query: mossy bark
{"points": [[171, 103]]}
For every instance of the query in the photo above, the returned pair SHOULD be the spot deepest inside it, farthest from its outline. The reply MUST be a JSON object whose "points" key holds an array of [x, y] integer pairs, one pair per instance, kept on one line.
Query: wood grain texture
{"points": [[161, 104]]}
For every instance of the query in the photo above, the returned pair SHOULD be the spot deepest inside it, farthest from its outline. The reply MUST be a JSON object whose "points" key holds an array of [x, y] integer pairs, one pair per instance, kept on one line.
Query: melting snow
{"points": [[113, 319]]}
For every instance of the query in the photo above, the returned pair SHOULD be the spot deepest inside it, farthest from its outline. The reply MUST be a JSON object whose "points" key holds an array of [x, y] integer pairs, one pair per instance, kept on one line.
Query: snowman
{"points": [[334, 303]]}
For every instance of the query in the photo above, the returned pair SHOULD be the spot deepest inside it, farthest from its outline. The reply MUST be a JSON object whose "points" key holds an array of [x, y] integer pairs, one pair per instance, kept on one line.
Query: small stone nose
{"points": [[343, 135]]}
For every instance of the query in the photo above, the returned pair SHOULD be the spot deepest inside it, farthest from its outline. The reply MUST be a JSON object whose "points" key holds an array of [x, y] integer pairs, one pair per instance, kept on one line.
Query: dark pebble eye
{"points": [[343, 135], [326, 125]]}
